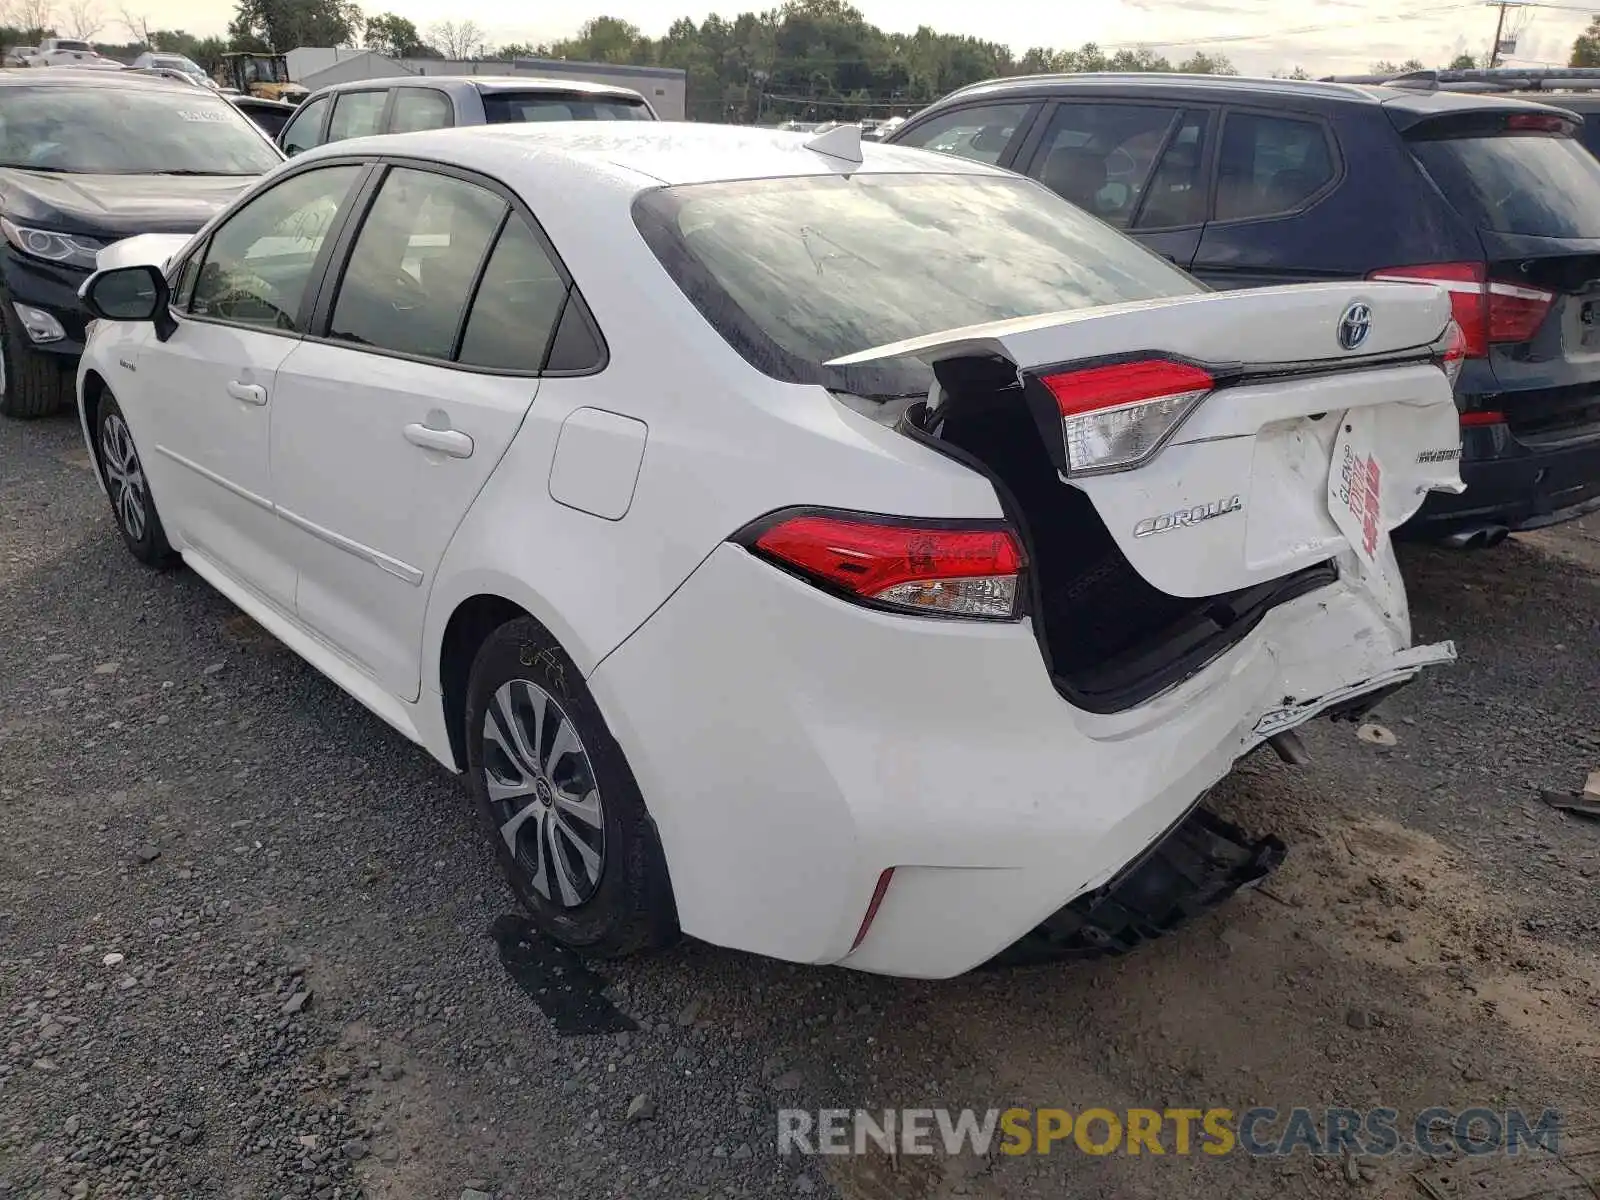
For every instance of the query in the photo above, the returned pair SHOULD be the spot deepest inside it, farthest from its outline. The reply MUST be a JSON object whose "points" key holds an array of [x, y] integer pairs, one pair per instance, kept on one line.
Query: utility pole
{"points": [[1499, 26]]}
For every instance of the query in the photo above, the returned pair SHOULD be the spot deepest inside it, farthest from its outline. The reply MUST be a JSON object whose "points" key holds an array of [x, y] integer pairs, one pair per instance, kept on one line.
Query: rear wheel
{"points": [[559, 800], [132, 506], [31, 385]]}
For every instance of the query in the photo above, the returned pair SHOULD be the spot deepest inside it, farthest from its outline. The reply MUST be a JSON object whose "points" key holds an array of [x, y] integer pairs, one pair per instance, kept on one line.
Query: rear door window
{"points": [[356, 114], [414, 263], [1543, 185], [1271, 165], [980, 133], [417, 108], [1176, 193], [517, 305], [1099, 156]]}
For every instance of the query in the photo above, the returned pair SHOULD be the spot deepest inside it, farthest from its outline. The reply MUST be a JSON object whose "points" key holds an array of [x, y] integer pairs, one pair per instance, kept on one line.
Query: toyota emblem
{"points": [[1354, 326]]}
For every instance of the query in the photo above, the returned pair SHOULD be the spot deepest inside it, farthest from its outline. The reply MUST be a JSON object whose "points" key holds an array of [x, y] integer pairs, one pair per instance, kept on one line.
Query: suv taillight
{"points": [[1489, 311], [930, 567], [1117, 416]]}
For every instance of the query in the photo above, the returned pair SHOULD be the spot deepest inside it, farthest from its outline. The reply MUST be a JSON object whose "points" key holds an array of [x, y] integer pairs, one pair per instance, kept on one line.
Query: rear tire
{"points": [[556, 795], [128, 488], [32, 385]]}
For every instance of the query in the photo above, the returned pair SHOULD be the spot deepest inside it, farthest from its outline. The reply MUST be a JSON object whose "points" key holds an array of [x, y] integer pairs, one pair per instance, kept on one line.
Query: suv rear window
{"points": [[795, 272], [1542, 185], [510, 108]]}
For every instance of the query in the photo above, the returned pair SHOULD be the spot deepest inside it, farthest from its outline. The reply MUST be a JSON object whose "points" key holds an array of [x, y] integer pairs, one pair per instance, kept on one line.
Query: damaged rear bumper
{"points": [[818, 745]]}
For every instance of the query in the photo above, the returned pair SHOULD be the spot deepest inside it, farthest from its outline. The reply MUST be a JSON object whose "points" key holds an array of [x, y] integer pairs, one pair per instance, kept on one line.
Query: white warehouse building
{"points": [[317, 66]]}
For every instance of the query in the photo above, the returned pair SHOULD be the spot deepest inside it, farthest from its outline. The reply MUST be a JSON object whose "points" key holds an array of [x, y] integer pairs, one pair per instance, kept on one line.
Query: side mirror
{"points": [[130, 294]]}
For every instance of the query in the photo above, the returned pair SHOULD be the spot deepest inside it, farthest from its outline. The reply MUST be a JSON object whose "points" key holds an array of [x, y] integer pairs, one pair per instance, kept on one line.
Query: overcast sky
{"points": [[1260, 36]]}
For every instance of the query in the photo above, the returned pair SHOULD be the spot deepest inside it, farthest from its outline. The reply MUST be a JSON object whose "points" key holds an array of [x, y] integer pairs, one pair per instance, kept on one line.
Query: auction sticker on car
{"points": [[1355, 485]]}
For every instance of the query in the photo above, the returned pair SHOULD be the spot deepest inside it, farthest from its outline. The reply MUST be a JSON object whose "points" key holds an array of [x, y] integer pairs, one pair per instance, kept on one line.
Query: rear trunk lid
{"points": [[1261, 445]]}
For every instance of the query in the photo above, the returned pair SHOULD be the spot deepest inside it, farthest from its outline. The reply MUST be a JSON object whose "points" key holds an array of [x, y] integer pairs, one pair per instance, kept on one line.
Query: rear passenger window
{"points": [[1098, 156], [416, 109], [356, 114], [1270, 165], [980, 133], [414, 262], [1176, 193], [517, 304]]}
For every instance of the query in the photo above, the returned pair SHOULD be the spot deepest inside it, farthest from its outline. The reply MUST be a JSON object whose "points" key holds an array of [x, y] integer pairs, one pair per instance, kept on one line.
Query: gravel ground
{"points": [[246, 931]]}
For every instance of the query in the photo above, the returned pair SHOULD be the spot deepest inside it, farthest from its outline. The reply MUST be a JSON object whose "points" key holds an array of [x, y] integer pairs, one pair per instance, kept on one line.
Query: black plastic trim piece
{"points": [[1198, 864]]}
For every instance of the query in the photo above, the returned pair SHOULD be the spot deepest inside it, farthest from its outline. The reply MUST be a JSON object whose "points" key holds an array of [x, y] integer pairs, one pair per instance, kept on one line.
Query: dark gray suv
{"points": [[1257, 182]]}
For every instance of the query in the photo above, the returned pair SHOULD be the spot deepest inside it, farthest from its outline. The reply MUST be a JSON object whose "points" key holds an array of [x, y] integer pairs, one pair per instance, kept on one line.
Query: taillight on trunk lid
{"points": [[1116, 416], [936, 568], [1489, 311], [1451, 350]]}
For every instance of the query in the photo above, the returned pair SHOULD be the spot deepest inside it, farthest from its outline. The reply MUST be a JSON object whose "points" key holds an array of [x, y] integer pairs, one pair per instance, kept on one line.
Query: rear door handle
{"points": [[250, 393], [447, 441]]}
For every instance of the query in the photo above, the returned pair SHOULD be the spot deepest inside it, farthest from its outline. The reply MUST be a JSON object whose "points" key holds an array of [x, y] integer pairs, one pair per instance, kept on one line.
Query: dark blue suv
{"points": [[1250, 182]]}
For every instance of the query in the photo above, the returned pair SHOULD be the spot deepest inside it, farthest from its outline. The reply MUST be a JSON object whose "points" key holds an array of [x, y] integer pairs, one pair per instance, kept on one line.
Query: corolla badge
{"points": [[1186, 517], [1354, 326]]}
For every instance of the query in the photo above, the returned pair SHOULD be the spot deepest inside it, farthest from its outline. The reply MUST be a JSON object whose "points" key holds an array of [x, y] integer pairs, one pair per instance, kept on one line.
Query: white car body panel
{"points": [[791, 746], [209, 455], [143, 249], [365, 569]]}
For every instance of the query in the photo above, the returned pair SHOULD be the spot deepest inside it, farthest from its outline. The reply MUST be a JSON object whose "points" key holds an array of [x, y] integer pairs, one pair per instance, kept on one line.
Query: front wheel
{"points": [[132, 506], [559, 800]]}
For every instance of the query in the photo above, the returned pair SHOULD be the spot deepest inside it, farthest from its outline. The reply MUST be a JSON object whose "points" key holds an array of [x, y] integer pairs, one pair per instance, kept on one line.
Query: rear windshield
{"points": [[795, 272], [510, 108], [1543, 185], [129, 131]]}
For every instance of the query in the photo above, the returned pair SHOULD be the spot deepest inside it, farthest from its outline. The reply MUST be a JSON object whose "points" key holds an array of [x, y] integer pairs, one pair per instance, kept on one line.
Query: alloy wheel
{"points": [[124, 476], [543, 793]]}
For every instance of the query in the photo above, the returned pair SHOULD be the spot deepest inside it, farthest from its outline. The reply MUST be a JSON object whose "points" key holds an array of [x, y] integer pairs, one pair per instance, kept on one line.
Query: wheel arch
{"points": [[93, 392], [469, 626]]}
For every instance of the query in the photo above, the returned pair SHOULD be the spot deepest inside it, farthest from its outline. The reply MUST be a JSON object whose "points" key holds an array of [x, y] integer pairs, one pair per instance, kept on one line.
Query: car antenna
{"points": [[842, 142]]}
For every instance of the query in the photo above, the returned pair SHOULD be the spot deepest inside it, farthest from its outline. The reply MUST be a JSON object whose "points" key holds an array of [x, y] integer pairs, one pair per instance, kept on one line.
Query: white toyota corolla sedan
{"points": [[847, 554]]}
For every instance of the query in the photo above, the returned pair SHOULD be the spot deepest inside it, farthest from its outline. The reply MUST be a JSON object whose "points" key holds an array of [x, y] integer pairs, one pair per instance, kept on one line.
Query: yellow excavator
{"points": [[265, 76]]}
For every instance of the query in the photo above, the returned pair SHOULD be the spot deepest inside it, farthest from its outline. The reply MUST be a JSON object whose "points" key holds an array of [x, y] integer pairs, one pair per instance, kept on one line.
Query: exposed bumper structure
{"points": [[817, 744]]}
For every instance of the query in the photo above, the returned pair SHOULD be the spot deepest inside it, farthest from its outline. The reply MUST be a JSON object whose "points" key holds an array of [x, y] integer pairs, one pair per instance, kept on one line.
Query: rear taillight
{"points": [[1482, 417], [1537, 123], [1489, 311], [1451, 349], [910, 566], [1116, 416]]}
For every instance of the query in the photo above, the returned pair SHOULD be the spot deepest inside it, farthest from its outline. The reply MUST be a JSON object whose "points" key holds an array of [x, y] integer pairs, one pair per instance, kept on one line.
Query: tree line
{"points": [[814, 59]]}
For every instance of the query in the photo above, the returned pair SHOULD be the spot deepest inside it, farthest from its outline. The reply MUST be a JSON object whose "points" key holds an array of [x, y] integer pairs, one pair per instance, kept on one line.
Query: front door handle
{"points": [[250, 393], [447, 441]]}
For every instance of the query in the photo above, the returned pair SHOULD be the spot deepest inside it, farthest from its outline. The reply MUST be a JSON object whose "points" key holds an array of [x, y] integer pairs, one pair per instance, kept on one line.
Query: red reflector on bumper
{"points": [[872, 908]]}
